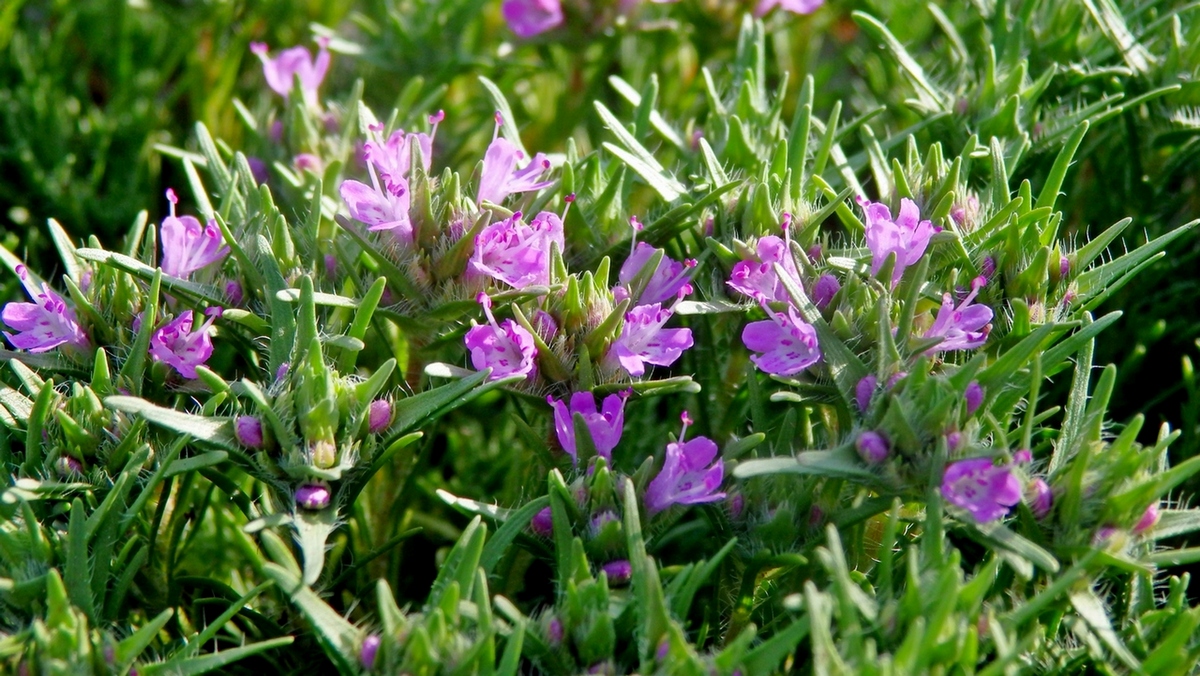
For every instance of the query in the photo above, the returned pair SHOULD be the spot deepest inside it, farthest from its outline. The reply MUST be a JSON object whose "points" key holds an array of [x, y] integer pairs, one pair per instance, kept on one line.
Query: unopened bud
{"points": [[1149, 519], [370, 648], [379, 416], [973, 396], [313, 497], [1040, 498], [542, 523], [249, 431], [872, 447], [68, 466], [618, 572]]}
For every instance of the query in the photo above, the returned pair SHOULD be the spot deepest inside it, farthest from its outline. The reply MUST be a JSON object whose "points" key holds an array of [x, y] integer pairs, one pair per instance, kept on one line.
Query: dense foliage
{"points": [[693, 337]]}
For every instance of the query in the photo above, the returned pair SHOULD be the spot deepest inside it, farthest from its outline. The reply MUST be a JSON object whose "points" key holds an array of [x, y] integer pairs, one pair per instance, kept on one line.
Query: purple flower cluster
{"points": [[384, 205], [506, 348], [516, 253]]}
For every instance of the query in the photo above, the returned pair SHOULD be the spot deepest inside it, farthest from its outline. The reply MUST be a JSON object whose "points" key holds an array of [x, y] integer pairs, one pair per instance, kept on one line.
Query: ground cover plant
{"points": [[691, 337]]}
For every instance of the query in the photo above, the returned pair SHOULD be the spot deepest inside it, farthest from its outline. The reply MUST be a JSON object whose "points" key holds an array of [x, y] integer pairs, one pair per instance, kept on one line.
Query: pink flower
{"points": [[907, 236], [605, 425], [528, 18], [501, 177], [188, 247], [793, 6], [686, 477], [380, 208], [984, 490], [787, 344], [1149, 519], [643, 340], [282, 71], [178, 346], [393, 158], [515, 253], [43, 324], [669, 280], [759, 280], [964, 327], [507, 348]]}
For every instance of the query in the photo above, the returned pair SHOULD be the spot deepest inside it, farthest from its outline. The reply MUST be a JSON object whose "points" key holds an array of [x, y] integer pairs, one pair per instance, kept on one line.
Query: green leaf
{"points": [[639, 159], [204, 664], [339, 638], [515, 523]]}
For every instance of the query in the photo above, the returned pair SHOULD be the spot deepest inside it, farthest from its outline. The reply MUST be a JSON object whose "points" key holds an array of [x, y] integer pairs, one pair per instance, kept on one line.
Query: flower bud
{"points": [[313, 497], [618, 572], [1040, 498], [370, 647], [542, 523], [824, 290], [554, 632], [1149, 519], [864, 391], [1064, 266], [249, 431], [379, 416], [954, 441], [234, 293], [974, 397], [1023, 456], [68, 466], [737, 505], [872, 447], [988, 267]]}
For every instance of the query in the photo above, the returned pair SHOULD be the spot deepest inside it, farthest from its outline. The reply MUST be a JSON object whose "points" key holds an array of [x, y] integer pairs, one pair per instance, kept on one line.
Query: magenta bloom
{"points": [[515, 253], [981, 488], [393, 158], [643, 340], [605, 424], [759, 280], [687, 477], [528, 18], [43, 324], [181, 348], [282, 71], [787, 344], [961, 328], [793, 6], [907, 236], [669, 280], [380, 208], [501, 177], [188, 247], [507, 348]]}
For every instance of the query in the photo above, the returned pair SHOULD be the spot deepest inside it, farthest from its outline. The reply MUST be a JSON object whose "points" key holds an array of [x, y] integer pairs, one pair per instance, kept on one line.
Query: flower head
{"points": [[507, 348], [501, 177], [188, 247], [528, 18], [973, 396], [759, 280], [176, 345], [984, 490], [961, 328], [542, 523], [604, 424], [787, 343], [669, 280], [380, 208], [618, 572], [43, 324], [517, 253], [643, 340], [282, 71], [392, 158], [686, 477], [907, 236]]}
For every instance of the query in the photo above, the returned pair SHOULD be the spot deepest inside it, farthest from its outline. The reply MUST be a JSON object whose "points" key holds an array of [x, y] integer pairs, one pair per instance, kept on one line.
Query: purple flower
{"points": [[249, 431], [618, 572], [793, 6], [379, 416], [528, 18], [824, 290], [43, 324], [643, 340], [188, 247], [507, 348], [961, 328], [980, 487], [515, 253], [542, 523], [669, 280], [864, 390], [313, 497], [1149, 520], [973, 396], [686, 477], [907, 236], [872, 447], [370, 648], [380, 209], [393, 158], [1040, 498], [788, 344], [605, 425], [759, 280], [501, 177], [282, 71], [178, 346]]}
